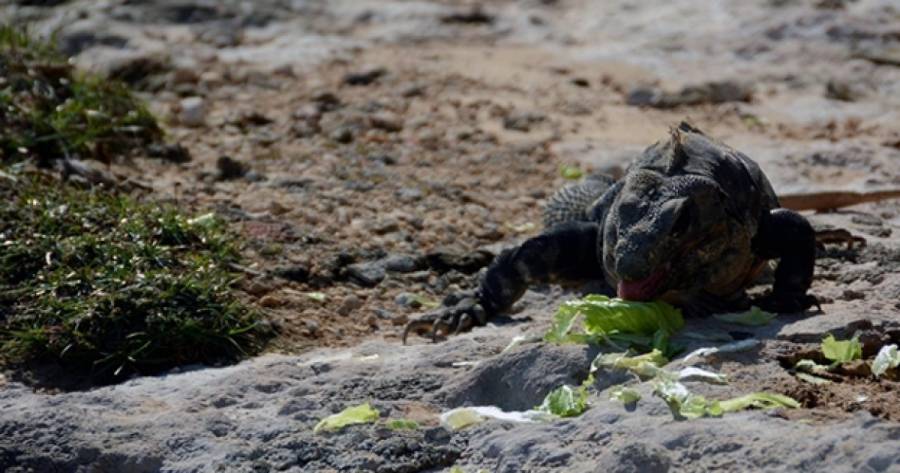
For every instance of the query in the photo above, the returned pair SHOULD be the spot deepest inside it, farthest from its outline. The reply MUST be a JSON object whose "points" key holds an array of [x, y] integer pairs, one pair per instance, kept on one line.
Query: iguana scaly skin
{"points": [[692, 222]]}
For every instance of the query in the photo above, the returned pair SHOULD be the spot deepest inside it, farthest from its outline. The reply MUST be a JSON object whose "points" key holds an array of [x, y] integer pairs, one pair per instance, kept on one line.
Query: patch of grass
{"points": [[108, 285], [49, 110]]}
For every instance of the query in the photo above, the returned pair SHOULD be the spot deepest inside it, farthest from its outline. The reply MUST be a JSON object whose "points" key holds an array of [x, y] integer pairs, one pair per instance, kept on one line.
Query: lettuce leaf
{"points": [[841, 351], [361, 414], [760, 400], [624, 395], [565, 401], [645, 366], [887, 358], [402, 424]]}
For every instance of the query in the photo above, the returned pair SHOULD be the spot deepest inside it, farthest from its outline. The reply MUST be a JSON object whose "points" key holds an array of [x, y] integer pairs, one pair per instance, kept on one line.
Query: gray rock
{"points": [[367, 274], [349, 304], [192, 111]]}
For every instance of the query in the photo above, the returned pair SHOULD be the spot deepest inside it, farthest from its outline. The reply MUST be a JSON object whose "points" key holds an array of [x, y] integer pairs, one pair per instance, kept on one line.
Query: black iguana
{"points": [[691, 222]]}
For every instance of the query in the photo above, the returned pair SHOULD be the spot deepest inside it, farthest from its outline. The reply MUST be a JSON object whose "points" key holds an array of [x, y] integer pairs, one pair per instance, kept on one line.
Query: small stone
{"points": [[643, 96], [192, 111], [406, 299], [386, 225], [412, 90], [312, 326], [174, 153], [326, 101], [259, 287], [184, 75], [349, 304], [270, 301], [365, 76], [402, 263], [386, 121], [367, 274], [522, 121], [343, 135], [581, 82], [230, 168], [296, 273]]}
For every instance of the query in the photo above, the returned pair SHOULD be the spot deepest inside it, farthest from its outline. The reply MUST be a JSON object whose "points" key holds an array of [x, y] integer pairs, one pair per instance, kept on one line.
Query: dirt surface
{"points": [[381, 150]]}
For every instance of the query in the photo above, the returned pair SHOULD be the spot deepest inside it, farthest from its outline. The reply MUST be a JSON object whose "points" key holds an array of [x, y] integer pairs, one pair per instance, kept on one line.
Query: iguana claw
{"points": [[448, 320]]}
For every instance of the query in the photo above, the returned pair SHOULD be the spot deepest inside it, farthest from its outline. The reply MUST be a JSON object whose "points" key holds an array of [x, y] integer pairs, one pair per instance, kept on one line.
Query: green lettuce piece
{"points": [[683, 403], [402, 424], [619, 323], [887, 358], [810, 366], [811, 378], [361, 414], [462, 418], [570, 172], [604, 316], [624, 395], [686, 405], [841, 351], [755, 316], [645, 366], [761, 400], [565, 401], [692, 373], [562, 324]]}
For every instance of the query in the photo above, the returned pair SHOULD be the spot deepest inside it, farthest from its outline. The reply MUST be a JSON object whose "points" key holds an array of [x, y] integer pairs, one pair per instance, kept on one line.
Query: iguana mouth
{"points": [[643, 289]]}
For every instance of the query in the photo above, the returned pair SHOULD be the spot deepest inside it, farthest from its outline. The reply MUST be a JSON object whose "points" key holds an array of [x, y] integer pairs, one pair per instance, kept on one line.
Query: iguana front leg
{"points": [[567, 251], [788, 236]]}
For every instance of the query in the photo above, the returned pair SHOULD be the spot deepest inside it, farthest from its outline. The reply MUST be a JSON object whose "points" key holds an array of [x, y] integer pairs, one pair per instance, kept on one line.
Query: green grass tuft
{"points": [[49, 110], [109, 285]]}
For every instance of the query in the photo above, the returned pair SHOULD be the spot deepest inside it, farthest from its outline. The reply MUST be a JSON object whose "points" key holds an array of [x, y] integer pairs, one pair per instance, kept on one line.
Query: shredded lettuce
{"points": [[841, 351], [645, 366], [686, 405], [361, 414], [692, 373], [683, 403], [402, 424], [811, 378], [755, 316], [887, 358], [565, 401], [760, 400], [616, 321], [624, 395], [461, 418], [810, 366]]}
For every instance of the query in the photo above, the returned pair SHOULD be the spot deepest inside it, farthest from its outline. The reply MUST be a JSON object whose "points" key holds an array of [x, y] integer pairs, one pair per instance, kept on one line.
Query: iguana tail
{"points": [[571, 203]]}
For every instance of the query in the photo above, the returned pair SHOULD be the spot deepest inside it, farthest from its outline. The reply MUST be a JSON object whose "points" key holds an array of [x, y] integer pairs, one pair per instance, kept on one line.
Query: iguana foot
{"points": [[459, 314], [786, 303]]}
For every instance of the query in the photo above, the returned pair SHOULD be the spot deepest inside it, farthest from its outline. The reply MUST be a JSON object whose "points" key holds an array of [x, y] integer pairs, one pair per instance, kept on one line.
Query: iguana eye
{"points": [[683, 220]]}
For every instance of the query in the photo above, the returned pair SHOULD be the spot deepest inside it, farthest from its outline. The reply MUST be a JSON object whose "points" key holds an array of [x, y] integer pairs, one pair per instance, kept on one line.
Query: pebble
{"points": [[367, 274], [230, 168], [270, 301], [402, 263], [386, 121], [342, 135], [365, 76], [192, 111], [349, 304], [406, 299]]}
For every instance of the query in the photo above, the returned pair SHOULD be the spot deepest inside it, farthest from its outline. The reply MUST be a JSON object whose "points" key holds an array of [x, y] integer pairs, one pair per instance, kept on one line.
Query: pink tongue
{"points": [[642, 290]]}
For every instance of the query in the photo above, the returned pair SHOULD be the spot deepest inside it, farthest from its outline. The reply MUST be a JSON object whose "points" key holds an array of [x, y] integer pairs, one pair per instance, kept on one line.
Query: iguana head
{"points": [[667, 233]]}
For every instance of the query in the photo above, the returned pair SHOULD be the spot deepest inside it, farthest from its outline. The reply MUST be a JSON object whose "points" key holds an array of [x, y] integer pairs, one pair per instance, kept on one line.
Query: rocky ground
{"points": [[376, 153]]}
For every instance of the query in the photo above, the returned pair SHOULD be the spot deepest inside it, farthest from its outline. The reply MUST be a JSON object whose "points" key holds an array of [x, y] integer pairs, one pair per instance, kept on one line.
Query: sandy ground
{"points": [[393, 146]]}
